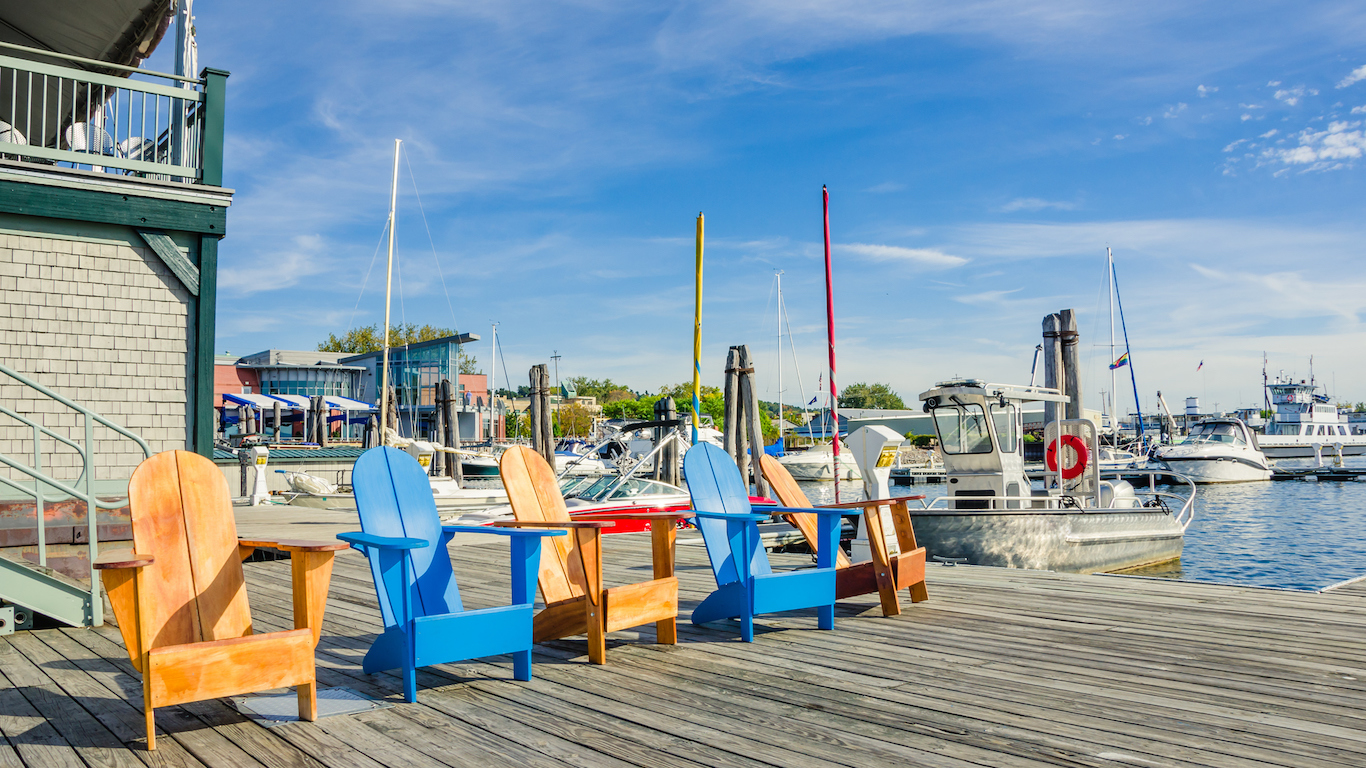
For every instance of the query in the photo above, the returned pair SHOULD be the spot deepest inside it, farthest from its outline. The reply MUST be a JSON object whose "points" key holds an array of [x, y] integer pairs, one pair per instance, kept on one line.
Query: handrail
{"points": [[146, 451], [58, 484], [97, 63], [1183, 517], [46, 431]]}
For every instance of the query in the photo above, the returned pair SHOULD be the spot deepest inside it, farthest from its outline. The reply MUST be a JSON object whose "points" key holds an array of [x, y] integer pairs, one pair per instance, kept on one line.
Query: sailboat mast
{"points": [[830, 332], [493, 382], [697, 339], [779, 278], [388, 296], [1110, 274]]}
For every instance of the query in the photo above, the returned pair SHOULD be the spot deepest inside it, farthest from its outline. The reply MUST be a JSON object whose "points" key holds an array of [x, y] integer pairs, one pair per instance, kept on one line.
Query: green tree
{"points": [[367, 338], [870, 396]]}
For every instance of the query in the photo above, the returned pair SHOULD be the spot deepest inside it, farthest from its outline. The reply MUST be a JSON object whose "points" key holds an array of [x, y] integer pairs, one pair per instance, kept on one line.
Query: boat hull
{"points": [[821, 471], [1078, 542], [1218, 470]]}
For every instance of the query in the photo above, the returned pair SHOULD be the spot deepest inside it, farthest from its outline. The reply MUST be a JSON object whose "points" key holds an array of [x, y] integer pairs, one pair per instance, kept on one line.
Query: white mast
{"points": [[388, 295], [779, 277], [1110, 278], [493, 379]]}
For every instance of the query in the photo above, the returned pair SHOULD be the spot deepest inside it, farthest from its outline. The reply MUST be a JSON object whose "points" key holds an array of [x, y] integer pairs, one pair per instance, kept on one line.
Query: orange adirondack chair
{"points": [[181, 601], [570, 578], [884, 574]]}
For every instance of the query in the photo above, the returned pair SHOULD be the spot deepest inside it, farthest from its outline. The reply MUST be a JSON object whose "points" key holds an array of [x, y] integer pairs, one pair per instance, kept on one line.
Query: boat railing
{"points": [[1182, 508], [94, 116]]}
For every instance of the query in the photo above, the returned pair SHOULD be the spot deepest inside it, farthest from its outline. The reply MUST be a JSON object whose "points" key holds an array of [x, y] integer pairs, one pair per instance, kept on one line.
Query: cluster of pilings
{"points": [[1061, 368]]}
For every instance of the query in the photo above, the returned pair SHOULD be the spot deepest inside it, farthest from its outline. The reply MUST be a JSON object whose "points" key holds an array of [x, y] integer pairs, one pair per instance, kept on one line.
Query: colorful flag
{"points": [[1121, 362], [1201, 365], [814, 398]]}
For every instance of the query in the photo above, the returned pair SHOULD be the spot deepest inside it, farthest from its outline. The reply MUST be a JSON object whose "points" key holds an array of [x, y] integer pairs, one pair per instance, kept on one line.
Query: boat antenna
{"points": [[1266, 391], [1034, 366], [1133, 379], [778, 277], [1114, 401], [830, 332], [388, 296]]}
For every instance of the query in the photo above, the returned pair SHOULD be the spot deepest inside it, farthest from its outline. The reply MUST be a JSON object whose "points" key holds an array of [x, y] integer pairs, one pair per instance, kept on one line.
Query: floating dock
{"points": [[1000, 668], [1318, 473]]}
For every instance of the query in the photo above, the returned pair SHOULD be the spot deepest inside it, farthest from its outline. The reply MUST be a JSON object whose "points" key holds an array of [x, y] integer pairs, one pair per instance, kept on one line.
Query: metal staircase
{"points": [[35, 586]]}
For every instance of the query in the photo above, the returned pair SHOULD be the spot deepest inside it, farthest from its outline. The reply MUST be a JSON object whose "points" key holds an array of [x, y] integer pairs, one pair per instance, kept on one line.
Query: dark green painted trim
{"points": [[179, 263], [112, 208], [204, 345], [211, 158]]}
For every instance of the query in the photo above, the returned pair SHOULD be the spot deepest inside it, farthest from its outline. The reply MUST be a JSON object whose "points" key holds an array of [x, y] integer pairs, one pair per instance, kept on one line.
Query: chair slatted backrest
{"points": [[715, 485], [394, 498], [182, 516], [789, 494], [534, 495]]}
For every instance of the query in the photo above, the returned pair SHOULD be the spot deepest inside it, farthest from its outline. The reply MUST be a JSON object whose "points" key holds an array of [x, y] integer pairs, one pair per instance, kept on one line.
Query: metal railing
{"points": [[82, 488], [1056, 504], [154, 127]]}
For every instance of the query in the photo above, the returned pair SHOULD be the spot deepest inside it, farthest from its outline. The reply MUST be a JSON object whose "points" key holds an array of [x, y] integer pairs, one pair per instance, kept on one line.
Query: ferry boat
{"points": [[1305, 419], [1082, 520]]}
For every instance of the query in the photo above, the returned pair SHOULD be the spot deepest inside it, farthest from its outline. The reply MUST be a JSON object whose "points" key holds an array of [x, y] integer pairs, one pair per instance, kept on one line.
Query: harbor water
{"points": [[1292, 534]]}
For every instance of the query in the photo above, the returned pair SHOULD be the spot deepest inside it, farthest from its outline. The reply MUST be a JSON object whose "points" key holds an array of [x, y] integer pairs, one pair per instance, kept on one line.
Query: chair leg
{"points": [[521, 665], [308, 701], [597, 632], [825, 616], [147, 710], [151, 730], [409, 683], [919, 593], [747, 626]]}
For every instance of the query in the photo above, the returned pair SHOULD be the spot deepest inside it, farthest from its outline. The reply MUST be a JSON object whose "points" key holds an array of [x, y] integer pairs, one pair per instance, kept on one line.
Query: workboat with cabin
{"points": [[1221, 450], [1082, 520], [1306, 424]]}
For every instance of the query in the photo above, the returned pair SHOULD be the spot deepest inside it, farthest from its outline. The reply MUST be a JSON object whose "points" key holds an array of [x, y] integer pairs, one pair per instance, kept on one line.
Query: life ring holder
{"points": [[1078, 446]]}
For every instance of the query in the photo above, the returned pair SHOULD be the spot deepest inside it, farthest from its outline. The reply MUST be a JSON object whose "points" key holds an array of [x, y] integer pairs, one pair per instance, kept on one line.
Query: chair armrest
{"points": [[870, 502], [381, 542], [121, 558], [549, 524], [680, 515], [501, 531], [293, 545], [758, 518], [840, 510]]}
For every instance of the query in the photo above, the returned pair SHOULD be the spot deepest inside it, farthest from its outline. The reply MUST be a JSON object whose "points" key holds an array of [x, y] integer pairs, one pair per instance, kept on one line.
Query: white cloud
{"points": [[1246, 117], [1174, 111], [1269, 134], [986, 297], [1206, 90], [1146, 121], [1327, 150], [1250, 106], [1356, 76], [1036, 204], [1359, 110], [925, 257], [1234, 145], [886, 187], [276, 270], [1121, 136], [1273, 83], [1290, 96]]}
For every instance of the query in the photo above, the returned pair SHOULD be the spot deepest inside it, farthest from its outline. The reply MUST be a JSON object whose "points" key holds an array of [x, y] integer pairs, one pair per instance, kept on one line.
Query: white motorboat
{"points": [[311, 491], [1117, 460], [1080, 521], [1219, 450], [604, 494], [817, 464], [1306, 424]]}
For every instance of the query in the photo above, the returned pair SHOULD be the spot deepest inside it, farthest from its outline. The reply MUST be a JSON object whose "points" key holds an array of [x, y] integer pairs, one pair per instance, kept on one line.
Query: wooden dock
{"points": [[1000, 668]]}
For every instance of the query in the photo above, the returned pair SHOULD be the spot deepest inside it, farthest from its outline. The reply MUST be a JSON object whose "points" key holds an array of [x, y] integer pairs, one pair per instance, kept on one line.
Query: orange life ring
{"points": [[1078, 446]]}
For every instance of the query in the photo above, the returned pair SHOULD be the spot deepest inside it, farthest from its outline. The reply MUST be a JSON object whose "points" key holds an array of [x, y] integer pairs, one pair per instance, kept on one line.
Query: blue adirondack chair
{"points": [[424, 622], [745, 583]]}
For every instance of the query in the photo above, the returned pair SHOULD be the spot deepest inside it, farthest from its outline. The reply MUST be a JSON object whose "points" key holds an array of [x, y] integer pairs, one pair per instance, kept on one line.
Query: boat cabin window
{"points": [[1005, 421], [962, 428]]}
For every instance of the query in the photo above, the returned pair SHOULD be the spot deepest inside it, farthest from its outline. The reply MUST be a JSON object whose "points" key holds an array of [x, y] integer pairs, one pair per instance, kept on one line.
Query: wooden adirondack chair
{"points": [[885, 573], [570, 577], [745, 582], [181, 601], [424, 621]]}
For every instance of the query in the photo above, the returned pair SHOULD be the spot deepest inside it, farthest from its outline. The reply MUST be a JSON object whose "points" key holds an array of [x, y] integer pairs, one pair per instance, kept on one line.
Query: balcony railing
{"points": [[158, 126]]}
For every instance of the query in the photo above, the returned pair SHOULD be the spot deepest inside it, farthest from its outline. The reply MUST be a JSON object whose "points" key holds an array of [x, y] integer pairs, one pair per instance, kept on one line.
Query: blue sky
{"points": [[980, 158]]}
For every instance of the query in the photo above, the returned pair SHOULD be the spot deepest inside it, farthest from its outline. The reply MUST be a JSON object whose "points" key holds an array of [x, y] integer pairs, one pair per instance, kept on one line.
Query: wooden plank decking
{"points": [[999, 668]]}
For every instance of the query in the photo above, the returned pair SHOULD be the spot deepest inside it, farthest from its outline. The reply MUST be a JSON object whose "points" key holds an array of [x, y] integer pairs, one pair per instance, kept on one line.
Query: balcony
{"points": [[144, 124]]}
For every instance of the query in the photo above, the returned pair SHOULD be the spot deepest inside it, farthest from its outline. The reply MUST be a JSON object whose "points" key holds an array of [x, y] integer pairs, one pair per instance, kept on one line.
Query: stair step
{"points": [[43, 590]]}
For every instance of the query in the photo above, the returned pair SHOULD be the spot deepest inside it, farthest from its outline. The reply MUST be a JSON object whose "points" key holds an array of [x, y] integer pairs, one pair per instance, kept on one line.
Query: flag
{"points": [[1121, 362], [1201, 365], [814, 398]]}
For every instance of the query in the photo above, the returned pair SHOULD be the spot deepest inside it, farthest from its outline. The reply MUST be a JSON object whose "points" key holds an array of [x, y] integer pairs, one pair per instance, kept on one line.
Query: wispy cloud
{"points": [[277, 269], [986, 297], [1354, 77], [1292, 96], [925, 257], [1206, 90], [1037, 204], [885, 187], [1176, 110]]}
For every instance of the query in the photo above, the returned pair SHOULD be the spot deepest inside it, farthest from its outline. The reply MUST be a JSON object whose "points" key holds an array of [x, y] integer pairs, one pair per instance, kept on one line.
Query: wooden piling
{"points": [[1071, 365], [275, 417], [455, 468], [542, 432], [1052, 364], [730, 436], [749, 396]]}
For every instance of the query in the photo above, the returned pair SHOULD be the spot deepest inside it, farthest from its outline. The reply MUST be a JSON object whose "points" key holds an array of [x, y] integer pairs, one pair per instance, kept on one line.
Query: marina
{"points": [[999, 667]]}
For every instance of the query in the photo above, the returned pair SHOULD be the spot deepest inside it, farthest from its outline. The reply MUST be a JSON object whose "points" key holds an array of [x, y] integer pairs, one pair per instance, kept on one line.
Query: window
{"points": [[962, 428], [1005, 421]]}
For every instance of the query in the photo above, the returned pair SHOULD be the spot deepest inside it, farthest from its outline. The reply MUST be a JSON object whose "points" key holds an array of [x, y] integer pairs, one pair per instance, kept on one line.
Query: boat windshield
{"points": [[1216, 433], [627, 490], [1003, 418], [962, 428]]}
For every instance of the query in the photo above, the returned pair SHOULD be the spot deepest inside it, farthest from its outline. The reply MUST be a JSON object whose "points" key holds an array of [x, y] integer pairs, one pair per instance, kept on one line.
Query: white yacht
{"points": [[1081, 520], [1221, 450], [817, 464], [1305, 419]]}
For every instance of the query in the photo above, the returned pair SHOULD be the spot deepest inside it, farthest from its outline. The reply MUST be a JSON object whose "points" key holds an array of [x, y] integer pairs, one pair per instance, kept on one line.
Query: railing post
{"points": [[38, 506], [211, 155], [91, 520]]}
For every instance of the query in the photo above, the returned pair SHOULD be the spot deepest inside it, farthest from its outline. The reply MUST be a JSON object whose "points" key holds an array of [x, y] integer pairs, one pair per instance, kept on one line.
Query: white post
{"points": [[388, 296], [779, 277]]}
